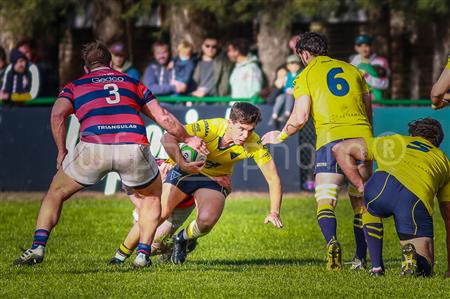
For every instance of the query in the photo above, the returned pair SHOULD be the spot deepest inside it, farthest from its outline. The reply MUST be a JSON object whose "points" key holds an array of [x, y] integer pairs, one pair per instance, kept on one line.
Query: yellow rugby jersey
{"points": [[337, 106], [416, 163], [448, 63], [220, 161]]}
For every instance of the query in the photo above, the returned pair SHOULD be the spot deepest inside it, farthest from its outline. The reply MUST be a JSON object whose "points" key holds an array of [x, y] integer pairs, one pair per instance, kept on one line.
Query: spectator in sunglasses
{"points": [[212, 72]]}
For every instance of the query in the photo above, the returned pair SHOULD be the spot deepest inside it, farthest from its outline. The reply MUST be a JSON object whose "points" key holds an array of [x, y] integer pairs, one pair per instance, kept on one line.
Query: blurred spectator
{"points": [[158, 77], [24, 46], [278, 84], [293, 43], [184, 65], [120, 62], [246, 77], [17, 82], [375, 68], [212, 72], [3, 64], [285, 101]]}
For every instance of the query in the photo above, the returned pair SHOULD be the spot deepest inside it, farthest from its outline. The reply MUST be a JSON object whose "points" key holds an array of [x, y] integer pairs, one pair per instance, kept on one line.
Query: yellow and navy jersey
{"points": [[220, 161], [448, 63], [336, 89], [416, 163]]}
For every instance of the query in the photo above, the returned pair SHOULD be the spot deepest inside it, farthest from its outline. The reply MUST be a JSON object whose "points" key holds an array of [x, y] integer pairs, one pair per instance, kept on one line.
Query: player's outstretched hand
{"points": [[275, 219], [192, 167], [198, 144], [224, 181], [60, 159], [164, 169], [272, 137]]}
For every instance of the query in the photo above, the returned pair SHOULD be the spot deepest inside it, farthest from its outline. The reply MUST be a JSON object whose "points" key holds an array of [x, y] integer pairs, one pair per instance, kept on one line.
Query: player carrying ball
{"points": [[338, 98], [228, 142]]}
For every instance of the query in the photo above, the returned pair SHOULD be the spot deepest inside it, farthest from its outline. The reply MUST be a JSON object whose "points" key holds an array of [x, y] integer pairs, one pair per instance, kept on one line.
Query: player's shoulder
{"points": [[253, 142]]}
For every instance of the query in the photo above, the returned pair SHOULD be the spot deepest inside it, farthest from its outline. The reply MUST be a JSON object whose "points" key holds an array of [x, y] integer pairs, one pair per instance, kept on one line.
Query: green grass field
{"points": [[241, 257]]}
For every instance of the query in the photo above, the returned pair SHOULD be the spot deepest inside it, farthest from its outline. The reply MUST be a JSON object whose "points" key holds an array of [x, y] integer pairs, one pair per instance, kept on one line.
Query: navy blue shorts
{"points": [[189, 183], [325, 160], [385, 196]]}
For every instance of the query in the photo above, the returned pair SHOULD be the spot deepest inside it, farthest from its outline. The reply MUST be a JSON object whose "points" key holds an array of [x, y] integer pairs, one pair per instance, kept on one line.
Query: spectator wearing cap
{"points": [[285, 101], [120, 61], [375, 68], [24, 46], [246, 78], [17, 81]]}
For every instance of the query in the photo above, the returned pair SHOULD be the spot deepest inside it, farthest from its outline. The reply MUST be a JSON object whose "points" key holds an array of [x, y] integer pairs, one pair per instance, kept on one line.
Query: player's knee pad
{"points": [[326, 191], [135, 216], [353, 192]]}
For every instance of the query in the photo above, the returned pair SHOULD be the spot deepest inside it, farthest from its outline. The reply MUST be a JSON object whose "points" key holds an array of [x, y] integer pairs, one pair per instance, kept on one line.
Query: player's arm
{"points": [[298, 119], [347, 153], [170, 123], [269, 170], [440, 88], [60, 112], [445, 212], [170, 144]]}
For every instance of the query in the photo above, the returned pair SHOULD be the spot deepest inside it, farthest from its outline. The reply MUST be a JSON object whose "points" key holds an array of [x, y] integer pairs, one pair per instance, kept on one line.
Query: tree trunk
{"points": [[273, 44], [399, 49], [108, 24], [190, 25]]}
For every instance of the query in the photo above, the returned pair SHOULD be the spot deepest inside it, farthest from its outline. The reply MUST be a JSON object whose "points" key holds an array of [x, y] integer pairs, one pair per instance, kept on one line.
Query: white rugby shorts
{"points": [[88, 163]]}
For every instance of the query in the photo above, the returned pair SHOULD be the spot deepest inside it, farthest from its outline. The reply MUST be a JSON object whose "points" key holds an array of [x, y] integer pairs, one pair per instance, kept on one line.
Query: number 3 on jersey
{"points": [[113, 90], [337, 86]]}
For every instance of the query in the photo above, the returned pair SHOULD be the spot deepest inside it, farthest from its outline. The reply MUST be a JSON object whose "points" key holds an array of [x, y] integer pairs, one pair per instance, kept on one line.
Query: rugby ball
{"points": [[190, 154]]}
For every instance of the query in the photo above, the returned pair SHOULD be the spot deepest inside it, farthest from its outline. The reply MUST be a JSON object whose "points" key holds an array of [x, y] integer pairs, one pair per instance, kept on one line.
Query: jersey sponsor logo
{"points": [[196, 128], [233, 155], [115, 127], [107, 79], [206, 128]]}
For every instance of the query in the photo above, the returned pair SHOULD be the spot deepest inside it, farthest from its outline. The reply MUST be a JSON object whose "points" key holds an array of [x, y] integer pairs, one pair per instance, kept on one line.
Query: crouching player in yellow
{"points": [[338, 97], [162, 242], [412, 170], [228, 142]]}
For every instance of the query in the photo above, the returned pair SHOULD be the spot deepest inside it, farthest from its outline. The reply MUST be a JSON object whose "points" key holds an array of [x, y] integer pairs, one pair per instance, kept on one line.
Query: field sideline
{"points": [[241, 257]]}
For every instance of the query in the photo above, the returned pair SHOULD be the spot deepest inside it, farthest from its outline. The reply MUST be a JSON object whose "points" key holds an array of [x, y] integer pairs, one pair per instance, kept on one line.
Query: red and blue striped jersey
{"points": [[107, 104]]}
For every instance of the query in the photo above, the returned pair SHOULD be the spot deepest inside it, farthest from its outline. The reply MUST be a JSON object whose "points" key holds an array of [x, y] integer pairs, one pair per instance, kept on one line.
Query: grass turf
{"points": [[241, 257]]}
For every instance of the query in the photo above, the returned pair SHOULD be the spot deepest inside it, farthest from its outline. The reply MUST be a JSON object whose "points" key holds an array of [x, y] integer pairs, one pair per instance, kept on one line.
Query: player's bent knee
{"points": [[326, 193]]}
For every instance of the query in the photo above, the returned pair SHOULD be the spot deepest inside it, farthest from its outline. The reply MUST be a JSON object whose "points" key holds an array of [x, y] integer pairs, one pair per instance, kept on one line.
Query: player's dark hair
{"points": [[240, 44], [95, 54], [245, 113], [428, 128], [313, 42]]}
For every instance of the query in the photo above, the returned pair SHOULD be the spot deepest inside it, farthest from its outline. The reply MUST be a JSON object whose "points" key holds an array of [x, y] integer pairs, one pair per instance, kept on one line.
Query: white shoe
{"points": [[31, 256], [142, 261]]}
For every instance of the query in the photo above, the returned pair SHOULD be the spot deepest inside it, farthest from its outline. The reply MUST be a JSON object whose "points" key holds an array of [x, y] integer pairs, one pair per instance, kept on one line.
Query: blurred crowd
{"points": [[229, 70]]}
